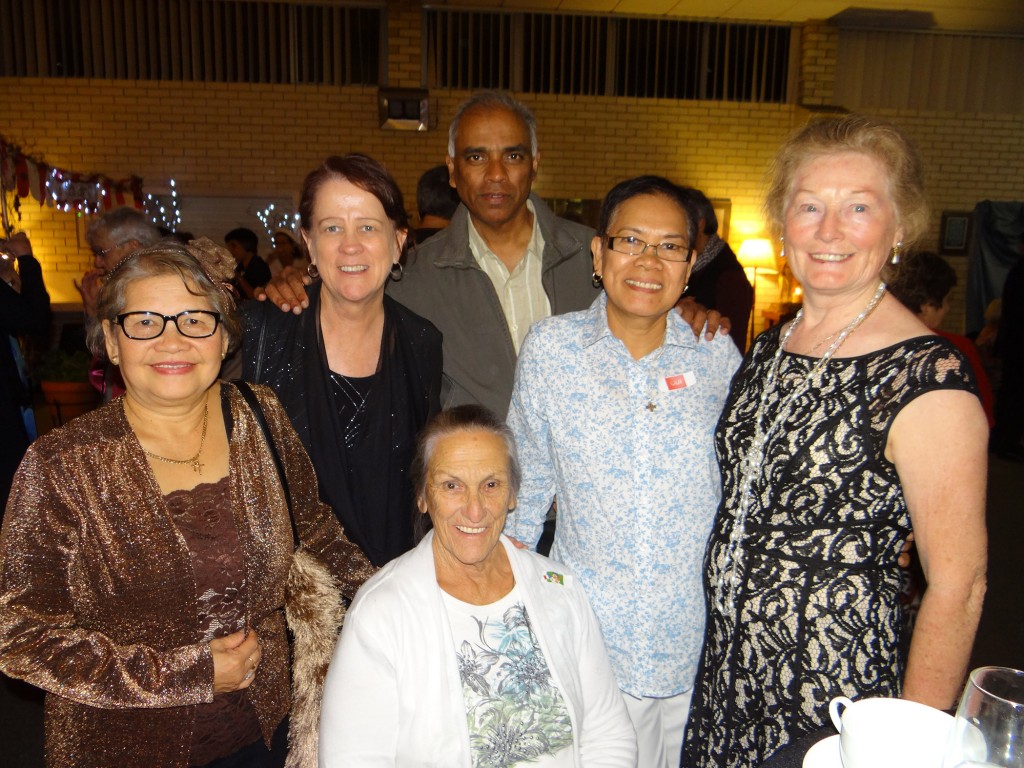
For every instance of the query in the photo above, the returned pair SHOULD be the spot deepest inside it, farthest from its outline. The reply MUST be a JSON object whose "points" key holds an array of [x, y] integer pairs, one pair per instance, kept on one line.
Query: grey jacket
{"points": [[444, 284]]}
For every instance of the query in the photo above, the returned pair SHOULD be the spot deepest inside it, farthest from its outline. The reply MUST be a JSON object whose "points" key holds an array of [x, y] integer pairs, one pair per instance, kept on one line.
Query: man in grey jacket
{"points": [[503, 263]]}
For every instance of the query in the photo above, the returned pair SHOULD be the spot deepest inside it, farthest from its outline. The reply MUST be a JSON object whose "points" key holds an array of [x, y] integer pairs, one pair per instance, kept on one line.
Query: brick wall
{"points": [[251, 140], [405, 68], [818, 53]]}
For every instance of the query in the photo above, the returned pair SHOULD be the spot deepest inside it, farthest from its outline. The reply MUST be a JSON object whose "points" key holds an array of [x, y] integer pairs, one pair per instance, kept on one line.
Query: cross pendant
{"points": [[650, 406]]}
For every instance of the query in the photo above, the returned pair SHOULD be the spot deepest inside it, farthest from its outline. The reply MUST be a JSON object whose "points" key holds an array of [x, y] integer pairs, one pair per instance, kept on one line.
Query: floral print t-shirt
{"points": [[514, 710]]}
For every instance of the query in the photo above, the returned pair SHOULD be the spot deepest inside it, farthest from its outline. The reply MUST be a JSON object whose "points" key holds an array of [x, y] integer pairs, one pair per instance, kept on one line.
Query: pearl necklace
{"points": [[751, 463]]}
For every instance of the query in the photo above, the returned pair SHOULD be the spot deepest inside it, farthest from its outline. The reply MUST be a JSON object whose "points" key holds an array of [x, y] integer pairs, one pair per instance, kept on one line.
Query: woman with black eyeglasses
{"points": [[146, 544]]}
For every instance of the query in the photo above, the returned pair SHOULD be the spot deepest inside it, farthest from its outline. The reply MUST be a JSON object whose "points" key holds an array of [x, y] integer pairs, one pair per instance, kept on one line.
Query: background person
{"points": [[111, 237], [146, 544], [287, 252], [717, 280], [251, 271], [358, 374], [1008, 433], [845, 430], [24, 310], [613, 412], [436, 202], [468, 650], [923, 282]]}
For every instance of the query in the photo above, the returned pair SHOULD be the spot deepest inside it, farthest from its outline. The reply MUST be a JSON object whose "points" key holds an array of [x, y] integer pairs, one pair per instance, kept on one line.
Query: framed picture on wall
{"points": [[955, 235], [723, 210]]}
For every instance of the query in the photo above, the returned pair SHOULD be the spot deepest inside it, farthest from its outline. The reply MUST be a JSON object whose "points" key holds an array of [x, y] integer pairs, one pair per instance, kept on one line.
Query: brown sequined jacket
{"points": [[97, 598]]}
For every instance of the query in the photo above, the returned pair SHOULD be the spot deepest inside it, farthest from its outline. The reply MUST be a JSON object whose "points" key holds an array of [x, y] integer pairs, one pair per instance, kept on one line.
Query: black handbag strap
{"points": [[261, 418]]}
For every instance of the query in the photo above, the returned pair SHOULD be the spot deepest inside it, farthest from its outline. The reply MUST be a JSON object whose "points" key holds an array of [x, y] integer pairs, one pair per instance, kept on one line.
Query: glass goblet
{"points": [[989, 727]]}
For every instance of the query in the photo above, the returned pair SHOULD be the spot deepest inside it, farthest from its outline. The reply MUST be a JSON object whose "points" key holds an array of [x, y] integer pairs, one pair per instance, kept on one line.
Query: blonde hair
{"points": [[876, 138]]}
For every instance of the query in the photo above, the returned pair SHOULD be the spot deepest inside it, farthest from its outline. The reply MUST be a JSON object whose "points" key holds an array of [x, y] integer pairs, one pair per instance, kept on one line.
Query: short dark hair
{"points": [[705, 210], [648, 185], [434, 195], [244, 237], [168, 257], [922, 278], [462, 418], [363, 171]]}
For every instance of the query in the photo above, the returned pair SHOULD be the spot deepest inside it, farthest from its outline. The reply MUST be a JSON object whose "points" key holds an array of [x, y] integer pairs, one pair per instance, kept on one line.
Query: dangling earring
{"points": [[896, 251], [596, 279], [312, 271], [782, 247], [396, 275]]}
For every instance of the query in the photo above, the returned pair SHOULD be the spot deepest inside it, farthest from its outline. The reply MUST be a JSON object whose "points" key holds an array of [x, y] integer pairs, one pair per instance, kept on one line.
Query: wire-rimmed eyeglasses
{"points": [[634, 246], [193, 323], [102, 252]]}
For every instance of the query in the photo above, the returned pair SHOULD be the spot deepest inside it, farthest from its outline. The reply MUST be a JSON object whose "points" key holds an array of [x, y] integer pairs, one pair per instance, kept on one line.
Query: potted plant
{"points": [[64, 379]]}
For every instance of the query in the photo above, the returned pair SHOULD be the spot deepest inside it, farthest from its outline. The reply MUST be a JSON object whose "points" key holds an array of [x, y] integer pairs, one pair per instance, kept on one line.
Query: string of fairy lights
{"points": [[90, 198], [25, 176], [164, 210], [273, 218]]}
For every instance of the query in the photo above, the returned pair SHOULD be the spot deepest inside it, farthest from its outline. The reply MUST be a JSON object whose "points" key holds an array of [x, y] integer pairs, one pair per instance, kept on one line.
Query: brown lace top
{"points": [[203, 517]]}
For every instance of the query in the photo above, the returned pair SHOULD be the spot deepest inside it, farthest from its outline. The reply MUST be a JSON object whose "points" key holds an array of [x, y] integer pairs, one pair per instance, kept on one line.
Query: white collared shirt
{"points": [[520, 291]]}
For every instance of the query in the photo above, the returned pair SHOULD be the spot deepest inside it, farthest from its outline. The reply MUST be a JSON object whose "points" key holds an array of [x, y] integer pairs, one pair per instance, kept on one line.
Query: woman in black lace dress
{"points": [[845, 430]]}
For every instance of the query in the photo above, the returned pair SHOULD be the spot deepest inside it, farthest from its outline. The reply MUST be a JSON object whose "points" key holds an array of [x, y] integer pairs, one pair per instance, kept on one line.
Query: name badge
{"points": [[680, 381], [553, 577]]}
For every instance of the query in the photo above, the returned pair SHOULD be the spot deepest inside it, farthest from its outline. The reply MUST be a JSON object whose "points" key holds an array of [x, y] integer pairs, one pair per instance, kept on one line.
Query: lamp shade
{"points": [[757, 253]]}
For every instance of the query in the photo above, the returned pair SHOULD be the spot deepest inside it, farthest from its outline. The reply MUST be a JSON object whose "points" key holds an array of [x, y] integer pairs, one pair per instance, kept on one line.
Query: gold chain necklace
{"points": [[194, 461]]}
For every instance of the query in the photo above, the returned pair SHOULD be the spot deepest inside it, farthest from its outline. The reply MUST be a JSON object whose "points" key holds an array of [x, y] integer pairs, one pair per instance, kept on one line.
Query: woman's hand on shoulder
{"points": [[235, 660], [696, 315], [287, 289]]}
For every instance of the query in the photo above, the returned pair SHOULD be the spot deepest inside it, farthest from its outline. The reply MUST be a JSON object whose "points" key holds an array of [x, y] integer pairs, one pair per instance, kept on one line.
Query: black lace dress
{"points": [[816, 585]]}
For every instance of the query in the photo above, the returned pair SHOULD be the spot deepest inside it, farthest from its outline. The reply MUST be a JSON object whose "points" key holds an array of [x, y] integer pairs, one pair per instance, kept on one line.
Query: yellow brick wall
{"points": [[818, 53], [405, 69], [252, 140]]}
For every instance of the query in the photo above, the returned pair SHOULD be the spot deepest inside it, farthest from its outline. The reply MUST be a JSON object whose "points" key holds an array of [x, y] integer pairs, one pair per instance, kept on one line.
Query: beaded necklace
{"points": [[751, 463]]}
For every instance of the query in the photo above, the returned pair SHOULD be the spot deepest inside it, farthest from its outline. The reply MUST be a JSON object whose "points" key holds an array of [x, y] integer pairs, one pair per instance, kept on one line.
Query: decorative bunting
{"points": [[64, 190]]}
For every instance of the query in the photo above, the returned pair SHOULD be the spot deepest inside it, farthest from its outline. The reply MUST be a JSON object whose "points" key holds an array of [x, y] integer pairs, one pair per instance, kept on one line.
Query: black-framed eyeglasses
{"points": [[104, 251], [193, 323], [634, 246]]}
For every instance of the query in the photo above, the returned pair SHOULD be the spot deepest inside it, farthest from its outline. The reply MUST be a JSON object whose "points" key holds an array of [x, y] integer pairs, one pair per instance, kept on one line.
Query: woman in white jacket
{"points": [[468, 651]]}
